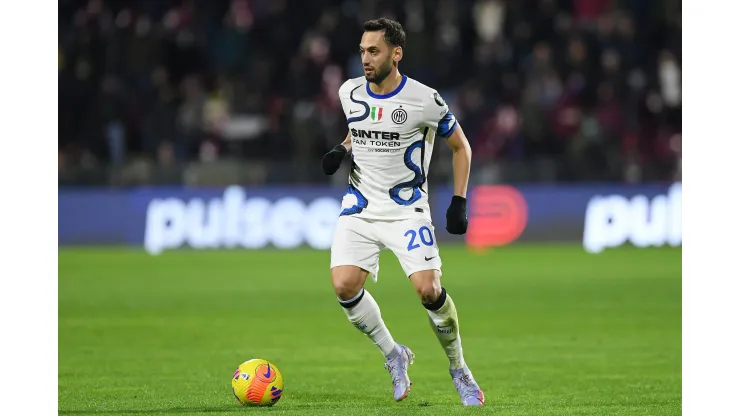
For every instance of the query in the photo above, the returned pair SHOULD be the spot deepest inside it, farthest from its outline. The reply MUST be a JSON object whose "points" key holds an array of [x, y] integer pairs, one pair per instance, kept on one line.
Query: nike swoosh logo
{"points": [[429, 258], [269, 371], [352, 112]]}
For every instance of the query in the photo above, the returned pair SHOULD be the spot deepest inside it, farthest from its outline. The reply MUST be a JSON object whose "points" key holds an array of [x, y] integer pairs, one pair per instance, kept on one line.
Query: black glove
{"points": [[332, 160], [457, 216]]}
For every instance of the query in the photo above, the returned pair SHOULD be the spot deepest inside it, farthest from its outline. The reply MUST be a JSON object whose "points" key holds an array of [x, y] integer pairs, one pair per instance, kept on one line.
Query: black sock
{"points": [[437, 304], [354, 301]]}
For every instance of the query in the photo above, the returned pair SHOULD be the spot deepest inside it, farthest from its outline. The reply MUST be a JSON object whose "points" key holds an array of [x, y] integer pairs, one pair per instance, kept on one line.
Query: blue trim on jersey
{"points": [[444, 129], [390, 94], [423, 147], [362, 103], [414, 183], [361, 202]]}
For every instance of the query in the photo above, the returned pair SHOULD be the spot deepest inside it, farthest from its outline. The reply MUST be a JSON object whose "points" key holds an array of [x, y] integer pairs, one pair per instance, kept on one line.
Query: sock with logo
{"points": [[443, 319], [363, 312]]}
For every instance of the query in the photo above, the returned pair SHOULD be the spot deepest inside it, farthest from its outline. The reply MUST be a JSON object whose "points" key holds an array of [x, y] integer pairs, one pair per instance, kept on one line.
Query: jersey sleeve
{"points": [[436, 114], [343, 94]]}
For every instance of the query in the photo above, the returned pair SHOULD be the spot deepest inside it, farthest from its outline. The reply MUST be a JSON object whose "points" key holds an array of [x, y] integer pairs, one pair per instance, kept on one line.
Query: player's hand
{"points": [[332, 160], [457, 216]]}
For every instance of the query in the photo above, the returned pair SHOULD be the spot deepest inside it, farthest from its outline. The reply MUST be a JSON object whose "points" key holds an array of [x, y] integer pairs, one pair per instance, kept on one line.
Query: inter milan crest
{"points": [[399, 116], [439, 100]]}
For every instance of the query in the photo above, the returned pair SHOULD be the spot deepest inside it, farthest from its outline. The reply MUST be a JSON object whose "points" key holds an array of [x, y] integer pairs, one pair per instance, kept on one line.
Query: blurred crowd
{"points": [[591, 88]]}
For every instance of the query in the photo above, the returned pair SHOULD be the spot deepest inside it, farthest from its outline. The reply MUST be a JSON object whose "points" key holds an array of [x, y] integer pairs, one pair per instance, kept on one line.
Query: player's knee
{"points": [[429, 290], [429, 293], [345, 290], [347, 281]]}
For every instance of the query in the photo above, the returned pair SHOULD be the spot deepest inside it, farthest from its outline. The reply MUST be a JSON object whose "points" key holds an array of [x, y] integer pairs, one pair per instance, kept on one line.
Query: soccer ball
{"points": [[257, 382]]}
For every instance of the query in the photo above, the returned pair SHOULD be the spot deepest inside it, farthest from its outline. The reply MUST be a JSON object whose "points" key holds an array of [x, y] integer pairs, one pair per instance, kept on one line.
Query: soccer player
{"points": [[393, 121]]}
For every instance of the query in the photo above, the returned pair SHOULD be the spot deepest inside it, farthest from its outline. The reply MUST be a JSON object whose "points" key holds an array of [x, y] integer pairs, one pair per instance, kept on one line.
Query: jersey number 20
{"points": [[425, 235]]}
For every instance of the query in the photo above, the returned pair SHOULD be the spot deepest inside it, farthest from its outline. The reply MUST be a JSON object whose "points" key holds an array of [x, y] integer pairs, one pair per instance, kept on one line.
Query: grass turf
{"points": [[547, 330]]}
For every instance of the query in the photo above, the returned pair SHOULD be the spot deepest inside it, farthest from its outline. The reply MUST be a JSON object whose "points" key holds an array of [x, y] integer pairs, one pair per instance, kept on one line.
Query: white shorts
{"points": [[358, 241]]}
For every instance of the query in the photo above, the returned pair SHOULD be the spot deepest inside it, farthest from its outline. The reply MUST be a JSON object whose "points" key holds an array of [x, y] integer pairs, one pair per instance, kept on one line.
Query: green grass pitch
{"points": [[546, 329]]}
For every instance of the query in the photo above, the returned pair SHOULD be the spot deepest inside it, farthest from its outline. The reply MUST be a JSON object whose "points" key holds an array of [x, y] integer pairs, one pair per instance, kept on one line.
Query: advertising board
{"points": [[160, 219]]}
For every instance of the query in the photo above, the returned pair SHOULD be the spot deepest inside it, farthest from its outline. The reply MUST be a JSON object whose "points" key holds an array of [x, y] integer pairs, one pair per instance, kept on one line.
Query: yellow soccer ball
{"points": [[257, 382]]}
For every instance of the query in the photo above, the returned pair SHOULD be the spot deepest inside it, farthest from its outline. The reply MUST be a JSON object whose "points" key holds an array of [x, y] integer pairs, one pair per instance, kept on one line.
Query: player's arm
{"points": [[461, 157], [333, 160], [437, 115], [347, 142], [457, 216]]}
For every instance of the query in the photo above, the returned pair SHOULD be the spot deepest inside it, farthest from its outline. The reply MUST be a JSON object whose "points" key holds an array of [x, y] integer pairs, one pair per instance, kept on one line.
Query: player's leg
{"points": [[441, 312], [445, 324], [360, 307], [354, 256], [414, 244]]}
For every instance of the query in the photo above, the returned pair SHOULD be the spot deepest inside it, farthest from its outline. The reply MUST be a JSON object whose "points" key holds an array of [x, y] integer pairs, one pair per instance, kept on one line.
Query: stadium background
{"points": [[200, 124]]}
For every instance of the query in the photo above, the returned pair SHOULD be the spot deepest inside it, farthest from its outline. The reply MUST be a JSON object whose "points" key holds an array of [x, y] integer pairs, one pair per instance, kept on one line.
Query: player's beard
{"points": [[381, 72]]}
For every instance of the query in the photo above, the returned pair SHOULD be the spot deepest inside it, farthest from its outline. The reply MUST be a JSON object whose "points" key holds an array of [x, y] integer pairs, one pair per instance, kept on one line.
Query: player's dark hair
{"points": [[393, 31]]}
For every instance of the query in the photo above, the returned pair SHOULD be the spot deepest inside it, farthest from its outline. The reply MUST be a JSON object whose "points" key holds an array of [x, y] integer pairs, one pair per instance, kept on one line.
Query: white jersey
{"points": [[392, 141]]}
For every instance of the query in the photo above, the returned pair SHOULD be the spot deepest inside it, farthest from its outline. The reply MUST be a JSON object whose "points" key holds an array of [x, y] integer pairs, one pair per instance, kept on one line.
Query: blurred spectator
{"points": [[594, 86]]}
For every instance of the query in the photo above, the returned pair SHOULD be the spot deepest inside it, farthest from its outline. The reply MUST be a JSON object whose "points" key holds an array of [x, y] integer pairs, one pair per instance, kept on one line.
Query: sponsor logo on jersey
{"points": [[375, 134]]}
